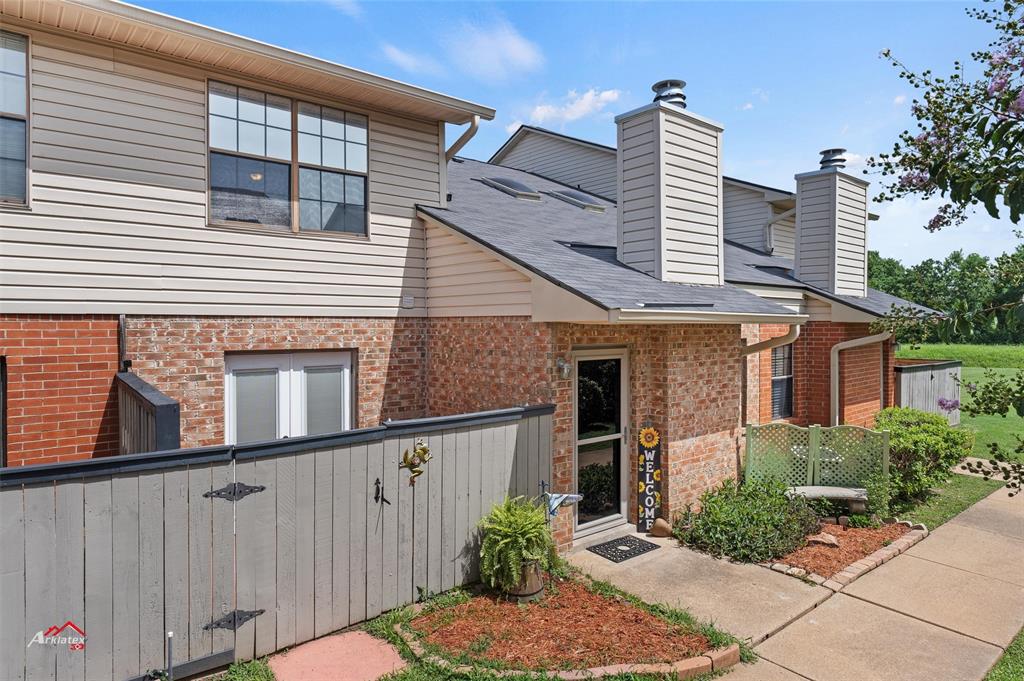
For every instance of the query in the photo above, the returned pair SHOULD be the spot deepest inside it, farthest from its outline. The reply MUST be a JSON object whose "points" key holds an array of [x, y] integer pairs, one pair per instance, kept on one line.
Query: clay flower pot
{"points": [[530, 587]]}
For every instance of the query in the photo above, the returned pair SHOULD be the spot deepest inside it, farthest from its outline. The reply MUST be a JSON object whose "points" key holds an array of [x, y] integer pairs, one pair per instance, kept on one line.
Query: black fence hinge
{"points": [[234, 491], [233, 619]]}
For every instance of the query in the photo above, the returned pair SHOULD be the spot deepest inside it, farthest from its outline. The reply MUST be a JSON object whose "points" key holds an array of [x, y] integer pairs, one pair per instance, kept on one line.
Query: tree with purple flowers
{"points": [[968, 149]]}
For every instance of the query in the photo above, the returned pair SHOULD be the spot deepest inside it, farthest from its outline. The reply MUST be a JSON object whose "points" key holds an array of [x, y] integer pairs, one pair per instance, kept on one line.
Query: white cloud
{"points": [[513, 126], [763, 95], [575, 106], [899, 100], [854, 161], [413, 63], [349, 7], [493, 52], [747, 106]]}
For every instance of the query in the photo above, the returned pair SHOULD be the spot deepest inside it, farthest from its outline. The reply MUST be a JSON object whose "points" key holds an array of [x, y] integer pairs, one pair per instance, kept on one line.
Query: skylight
{"points": [[578, 199], [515, 188]]}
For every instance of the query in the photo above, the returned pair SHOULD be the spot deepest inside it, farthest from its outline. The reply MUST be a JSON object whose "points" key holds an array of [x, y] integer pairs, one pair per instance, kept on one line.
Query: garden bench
{"points": [[818, 463]]}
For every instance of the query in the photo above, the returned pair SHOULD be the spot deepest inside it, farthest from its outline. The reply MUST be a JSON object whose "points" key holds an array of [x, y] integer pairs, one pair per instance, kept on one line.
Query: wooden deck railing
{"points": [[148, 420]]}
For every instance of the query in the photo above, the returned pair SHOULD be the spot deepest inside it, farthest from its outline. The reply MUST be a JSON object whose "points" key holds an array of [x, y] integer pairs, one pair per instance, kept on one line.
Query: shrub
{"points": [[515, 533], [923, 448], [753, 522]]}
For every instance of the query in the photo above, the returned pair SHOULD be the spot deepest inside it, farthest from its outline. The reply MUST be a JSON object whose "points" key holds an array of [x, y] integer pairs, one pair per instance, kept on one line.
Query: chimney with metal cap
{"points": [[669, 173], [670, 91], [832, 227]]}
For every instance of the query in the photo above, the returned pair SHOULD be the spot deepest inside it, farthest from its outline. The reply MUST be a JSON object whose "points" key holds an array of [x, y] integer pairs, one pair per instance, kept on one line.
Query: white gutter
{"points": [[768, 227], [791, 335], [834, 367], [663, 316], [467, 135]]}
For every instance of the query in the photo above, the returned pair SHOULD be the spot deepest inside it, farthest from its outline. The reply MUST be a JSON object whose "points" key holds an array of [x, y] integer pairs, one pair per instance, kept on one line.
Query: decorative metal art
{"points": [[415, 461]]}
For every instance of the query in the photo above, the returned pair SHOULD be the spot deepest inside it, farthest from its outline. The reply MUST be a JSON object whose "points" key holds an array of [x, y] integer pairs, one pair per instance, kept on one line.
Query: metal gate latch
{"points": [[233, 619], [234, 491]]}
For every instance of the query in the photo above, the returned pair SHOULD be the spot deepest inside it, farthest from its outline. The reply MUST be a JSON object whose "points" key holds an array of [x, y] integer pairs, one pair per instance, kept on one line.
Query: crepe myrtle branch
{"points": [[1001, 467], [998, 396], [968, 146]]}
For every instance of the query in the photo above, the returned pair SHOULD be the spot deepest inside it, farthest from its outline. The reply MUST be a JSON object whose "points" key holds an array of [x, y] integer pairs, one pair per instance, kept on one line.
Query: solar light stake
{"points": [[170, 656]]}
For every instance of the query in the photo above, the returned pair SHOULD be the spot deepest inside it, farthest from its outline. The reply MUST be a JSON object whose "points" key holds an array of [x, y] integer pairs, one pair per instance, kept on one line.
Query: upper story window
{"points": [[13, 117], [782, 382], [275, 161]]}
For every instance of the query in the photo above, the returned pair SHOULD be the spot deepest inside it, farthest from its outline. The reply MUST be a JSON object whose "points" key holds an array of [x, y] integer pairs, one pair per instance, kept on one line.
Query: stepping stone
{"points": [[352, 656], [965, 602], [846, 639]]}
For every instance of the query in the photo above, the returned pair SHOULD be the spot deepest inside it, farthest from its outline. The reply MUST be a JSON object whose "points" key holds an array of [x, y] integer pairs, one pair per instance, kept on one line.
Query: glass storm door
{"points": [[600, 396]]}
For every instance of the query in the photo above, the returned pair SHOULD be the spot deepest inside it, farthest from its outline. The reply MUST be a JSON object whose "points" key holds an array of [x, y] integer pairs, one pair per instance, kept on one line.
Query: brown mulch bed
{"points": [[854, 544], [571, 628]]}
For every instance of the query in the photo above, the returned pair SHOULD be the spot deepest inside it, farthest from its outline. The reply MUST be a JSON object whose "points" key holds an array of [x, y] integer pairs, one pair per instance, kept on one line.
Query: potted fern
{"points": [[516, 549]]}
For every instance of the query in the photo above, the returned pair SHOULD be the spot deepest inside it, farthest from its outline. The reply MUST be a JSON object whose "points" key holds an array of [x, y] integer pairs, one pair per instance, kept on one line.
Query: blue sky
{"points": [[786, 79]]}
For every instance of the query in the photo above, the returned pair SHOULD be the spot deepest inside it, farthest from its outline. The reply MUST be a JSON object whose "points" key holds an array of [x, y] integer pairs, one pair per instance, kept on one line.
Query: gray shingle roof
{"points": [[575, 248]]}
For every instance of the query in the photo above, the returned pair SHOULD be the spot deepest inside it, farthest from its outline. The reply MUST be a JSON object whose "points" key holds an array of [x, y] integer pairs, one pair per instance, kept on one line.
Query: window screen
{"points": [[782, 382]]}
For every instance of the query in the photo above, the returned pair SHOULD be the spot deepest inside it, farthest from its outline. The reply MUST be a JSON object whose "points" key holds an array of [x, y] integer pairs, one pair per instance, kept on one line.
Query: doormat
{"points": [[623, 548]]}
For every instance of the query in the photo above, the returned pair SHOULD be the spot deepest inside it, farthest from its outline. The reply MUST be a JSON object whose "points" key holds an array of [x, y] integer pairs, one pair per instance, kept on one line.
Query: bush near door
{"points": [[753, 522]]}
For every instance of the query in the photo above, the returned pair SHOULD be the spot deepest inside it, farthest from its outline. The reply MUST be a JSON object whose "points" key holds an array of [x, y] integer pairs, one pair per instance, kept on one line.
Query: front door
{"points": [[600, 433]]}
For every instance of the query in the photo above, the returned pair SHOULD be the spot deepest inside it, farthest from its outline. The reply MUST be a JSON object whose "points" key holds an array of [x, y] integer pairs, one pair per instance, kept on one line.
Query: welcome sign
{"points": [[648, 478]]}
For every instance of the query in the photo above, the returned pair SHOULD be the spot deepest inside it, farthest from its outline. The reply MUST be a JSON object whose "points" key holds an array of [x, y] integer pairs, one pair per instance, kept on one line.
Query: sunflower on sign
{"points": [[649, 438]]}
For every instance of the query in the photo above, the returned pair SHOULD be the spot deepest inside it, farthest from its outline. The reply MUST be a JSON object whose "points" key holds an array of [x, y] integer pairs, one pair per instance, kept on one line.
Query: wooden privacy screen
{"points": [[129, 548]]}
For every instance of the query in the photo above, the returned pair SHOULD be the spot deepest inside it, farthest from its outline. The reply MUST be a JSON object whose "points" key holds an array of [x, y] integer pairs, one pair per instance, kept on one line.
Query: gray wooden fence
{"points": [[922, 383], [148, 420], [129, 548]]}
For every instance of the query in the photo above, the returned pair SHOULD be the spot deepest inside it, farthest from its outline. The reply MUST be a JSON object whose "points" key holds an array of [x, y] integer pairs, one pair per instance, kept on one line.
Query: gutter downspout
{"points": [[769, 246], [463, 139], [834, 367]]}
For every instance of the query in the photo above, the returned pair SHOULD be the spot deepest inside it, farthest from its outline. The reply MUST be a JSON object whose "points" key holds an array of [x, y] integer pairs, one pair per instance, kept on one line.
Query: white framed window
{"points": [[280, 162], [782, 382], [13, 118], [269, 396]]}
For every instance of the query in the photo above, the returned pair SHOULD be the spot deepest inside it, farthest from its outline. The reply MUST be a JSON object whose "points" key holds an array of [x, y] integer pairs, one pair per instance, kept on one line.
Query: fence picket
{"points": [[125, 525], [263, 505], [341, 542], [71, 588], [151, 571], [406, 506], [376, 513], [99, 578], [41, 574], [305, 471], [449, 505], [200, 560], [285, 512], [13, 634], [432, 520], [245, 550], [359, 480], [323, 540]]}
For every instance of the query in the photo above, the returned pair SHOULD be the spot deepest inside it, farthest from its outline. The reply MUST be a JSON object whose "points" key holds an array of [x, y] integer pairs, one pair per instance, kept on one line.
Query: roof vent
{"points": [[833, 158], [670, 91], [578, 199]]}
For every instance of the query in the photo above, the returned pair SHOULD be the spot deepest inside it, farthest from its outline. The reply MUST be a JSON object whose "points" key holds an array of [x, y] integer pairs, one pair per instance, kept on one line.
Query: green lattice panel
{"points": [[849, 455], [779, 451]]}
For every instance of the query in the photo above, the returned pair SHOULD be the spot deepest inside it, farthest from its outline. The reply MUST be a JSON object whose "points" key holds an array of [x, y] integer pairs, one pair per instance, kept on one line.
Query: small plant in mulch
{"points": [[579, 625], [855, 542]]}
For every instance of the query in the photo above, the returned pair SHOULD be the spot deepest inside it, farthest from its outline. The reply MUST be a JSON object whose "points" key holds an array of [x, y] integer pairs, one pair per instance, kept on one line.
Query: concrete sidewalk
{"points": [[945, 609]]}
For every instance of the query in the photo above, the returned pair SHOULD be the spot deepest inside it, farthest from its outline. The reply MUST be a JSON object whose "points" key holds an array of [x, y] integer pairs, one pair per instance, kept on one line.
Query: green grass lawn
{"points": [[1010, 666], [960, 493], [988, 429], [990, 356]]}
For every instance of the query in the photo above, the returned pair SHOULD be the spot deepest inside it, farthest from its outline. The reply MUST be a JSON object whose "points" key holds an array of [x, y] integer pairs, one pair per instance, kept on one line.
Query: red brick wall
{"points": [[61, 404], [480, 363], [184, 358]]}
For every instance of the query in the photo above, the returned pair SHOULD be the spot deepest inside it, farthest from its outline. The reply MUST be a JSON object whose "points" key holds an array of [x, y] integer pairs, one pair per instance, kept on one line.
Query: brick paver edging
{"points": [[858, 568], [713, 660]]}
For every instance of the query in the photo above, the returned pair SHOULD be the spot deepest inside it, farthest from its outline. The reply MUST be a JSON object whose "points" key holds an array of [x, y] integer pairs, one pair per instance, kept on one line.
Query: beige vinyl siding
{"points": [[815, 229], [590, 169], [692, 200], [851, 237], [466, 280], [639, 207], [790, 298], [118, 218], [783, 235], [745, 214]]}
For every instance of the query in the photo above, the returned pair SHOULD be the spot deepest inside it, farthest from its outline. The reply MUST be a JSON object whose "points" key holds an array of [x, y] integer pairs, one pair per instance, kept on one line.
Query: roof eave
{"points": [[450, 109]]}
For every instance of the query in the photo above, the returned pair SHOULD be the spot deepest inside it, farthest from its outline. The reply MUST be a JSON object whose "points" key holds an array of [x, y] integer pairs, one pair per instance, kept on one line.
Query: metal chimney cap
{"points": [[670, 91], [833, 158]]}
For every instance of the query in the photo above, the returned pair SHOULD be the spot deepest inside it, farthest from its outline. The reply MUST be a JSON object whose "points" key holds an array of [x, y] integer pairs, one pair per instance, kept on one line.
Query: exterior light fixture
{"points": [[564, 367], [255, 177]]}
